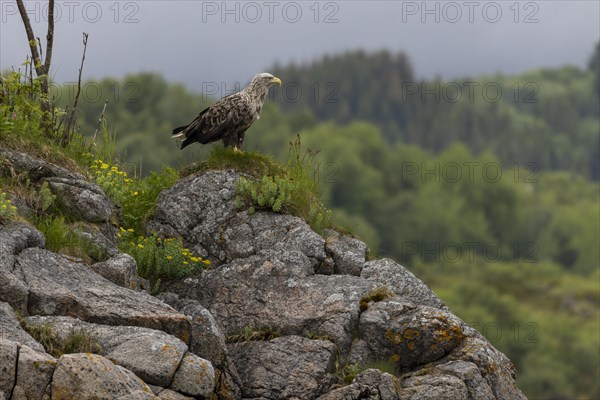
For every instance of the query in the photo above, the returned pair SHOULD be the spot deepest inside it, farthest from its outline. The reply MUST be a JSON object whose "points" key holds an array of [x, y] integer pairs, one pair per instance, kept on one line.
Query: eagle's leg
{"points": [[240, 141], [231, 139]]}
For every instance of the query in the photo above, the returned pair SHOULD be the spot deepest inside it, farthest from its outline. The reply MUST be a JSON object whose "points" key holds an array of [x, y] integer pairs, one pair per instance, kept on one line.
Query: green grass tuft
{"points": [[61, 238], [43, 334], [254, 334], [77, 341], [80, 341]]}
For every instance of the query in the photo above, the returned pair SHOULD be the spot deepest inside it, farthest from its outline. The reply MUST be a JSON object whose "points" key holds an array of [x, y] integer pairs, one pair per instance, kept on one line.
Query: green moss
{"points": [[348, 372], [253, 164]]}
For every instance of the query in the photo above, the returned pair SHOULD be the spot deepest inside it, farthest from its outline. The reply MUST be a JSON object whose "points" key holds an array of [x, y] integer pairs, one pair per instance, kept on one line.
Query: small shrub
{"points": [[375, 296], [23, 124], [159, 258], [19, 106], [136, 197], [112, 180], [45, 197], [270, 193], [293, 190], [7, 210]]}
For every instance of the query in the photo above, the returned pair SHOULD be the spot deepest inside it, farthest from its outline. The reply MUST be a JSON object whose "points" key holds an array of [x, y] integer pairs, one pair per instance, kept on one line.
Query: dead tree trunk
{"points": [[41, 68]]}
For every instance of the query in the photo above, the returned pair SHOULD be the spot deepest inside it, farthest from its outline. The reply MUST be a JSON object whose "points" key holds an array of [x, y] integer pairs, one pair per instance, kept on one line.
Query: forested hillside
{"points": [[491, 197], [548, 117]]}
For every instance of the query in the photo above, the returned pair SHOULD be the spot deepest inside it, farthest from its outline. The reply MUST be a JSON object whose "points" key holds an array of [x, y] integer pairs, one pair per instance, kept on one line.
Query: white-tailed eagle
{"points": [[229, 118]]}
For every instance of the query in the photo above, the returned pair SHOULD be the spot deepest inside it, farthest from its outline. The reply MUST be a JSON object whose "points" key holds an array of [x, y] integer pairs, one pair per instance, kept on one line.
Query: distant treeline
{"points": [[549, 117]]}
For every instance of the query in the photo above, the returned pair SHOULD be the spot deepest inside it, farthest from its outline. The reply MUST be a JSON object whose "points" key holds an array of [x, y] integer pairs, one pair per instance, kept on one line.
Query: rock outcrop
{"points": [[269, 283], [283, 313]]}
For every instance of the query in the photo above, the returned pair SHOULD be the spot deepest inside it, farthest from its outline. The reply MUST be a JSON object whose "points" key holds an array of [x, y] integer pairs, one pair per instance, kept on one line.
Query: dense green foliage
{"points": [[547, 117], [494, 203]]}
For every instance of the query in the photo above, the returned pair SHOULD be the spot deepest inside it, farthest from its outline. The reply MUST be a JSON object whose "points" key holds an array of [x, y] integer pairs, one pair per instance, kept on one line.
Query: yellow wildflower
{"points": [[169, 257], [141, 246]]}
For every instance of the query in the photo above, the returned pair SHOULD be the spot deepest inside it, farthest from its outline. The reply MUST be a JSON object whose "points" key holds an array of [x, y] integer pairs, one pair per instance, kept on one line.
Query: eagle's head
{"points": [[265, 79]]}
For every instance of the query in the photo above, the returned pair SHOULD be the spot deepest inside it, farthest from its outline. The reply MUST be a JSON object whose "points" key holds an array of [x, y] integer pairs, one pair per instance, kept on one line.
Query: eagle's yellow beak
{"points": [[276, 81]]}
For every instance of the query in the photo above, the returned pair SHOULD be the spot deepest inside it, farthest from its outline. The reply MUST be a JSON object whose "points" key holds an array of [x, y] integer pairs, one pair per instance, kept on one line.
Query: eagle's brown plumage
{"points": [[229, 118]]}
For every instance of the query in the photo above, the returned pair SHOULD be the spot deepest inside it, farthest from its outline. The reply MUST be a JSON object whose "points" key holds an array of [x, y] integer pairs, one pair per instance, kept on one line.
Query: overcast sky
{"points": [[195, 42]]}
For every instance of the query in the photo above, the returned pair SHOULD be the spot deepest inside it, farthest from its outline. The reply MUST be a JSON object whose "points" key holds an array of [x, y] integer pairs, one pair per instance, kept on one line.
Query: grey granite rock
{"points": [[194, 377], [348, 253], [58, 286], [91, 376], [85, 201], [290, 367]]}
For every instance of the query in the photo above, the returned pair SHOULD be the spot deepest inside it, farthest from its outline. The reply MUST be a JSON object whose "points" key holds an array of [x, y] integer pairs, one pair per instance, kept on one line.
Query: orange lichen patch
{"points": [[184, 336], [410, 333], [168, 347], [411, 346], [394, 337], [394, 358], [491, 368], [452, 333]]}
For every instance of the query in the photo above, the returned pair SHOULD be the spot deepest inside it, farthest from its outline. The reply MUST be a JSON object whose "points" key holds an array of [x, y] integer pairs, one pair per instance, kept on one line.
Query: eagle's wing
{"points": [[213, 122]]}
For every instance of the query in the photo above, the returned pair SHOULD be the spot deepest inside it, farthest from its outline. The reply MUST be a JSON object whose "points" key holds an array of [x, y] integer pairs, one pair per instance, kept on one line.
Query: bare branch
{"points": [[49, 37], [35, 55], [39, 43], [72, 117], [99, 121]]}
